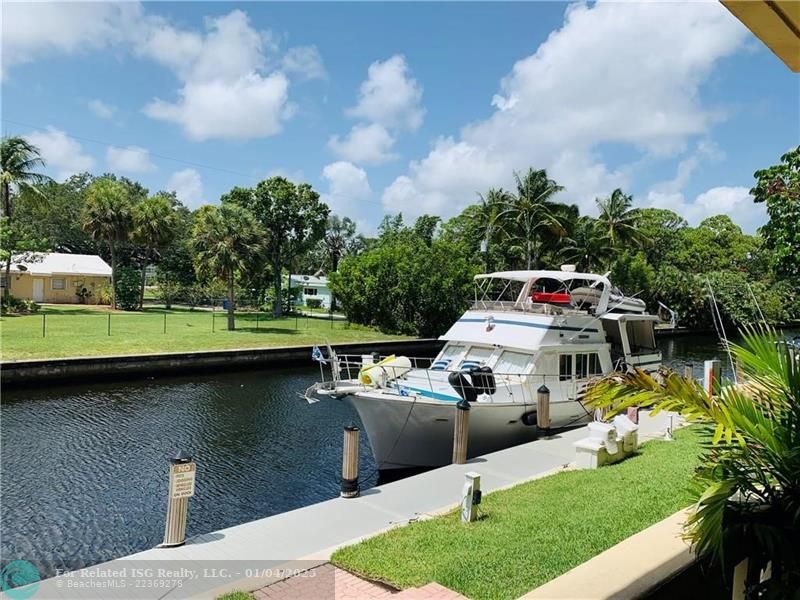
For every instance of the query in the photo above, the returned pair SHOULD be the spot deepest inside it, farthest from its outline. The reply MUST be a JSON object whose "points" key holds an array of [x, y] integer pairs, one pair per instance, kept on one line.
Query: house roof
{"points": [[56, 263], [310, 280]]}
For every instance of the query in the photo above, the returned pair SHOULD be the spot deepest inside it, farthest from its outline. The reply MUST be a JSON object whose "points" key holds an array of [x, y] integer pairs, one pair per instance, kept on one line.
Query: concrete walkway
{"points": [[256, 554]]}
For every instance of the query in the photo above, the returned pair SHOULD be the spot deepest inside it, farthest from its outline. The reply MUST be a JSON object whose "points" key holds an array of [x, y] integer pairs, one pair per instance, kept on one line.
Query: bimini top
{"points": [[525, 276]]}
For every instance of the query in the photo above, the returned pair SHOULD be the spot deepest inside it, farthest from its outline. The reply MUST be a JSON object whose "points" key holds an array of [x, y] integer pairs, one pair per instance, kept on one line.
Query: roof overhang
{"points": [[774, 22]]}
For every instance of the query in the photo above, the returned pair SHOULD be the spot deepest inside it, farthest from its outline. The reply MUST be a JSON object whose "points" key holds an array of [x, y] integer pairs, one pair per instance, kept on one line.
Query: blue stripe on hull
{"points": [[529, 324]]}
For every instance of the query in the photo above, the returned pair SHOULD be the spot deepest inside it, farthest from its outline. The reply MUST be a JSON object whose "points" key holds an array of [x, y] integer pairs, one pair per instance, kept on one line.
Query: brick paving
{"points": [[327, 582]]}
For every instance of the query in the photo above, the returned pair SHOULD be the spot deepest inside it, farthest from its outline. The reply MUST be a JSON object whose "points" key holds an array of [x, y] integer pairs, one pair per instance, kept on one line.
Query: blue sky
{"points": [[412, 107]]}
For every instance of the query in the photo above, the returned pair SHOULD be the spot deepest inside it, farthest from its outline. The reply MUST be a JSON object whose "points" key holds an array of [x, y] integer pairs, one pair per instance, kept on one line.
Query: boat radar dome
{"points": [[568, 268]]}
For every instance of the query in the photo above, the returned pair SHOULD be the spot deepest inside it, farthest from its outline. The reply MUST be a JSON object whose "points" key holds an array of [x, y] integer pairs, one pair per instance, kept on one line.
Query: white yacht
{"points": [[525, 329]]}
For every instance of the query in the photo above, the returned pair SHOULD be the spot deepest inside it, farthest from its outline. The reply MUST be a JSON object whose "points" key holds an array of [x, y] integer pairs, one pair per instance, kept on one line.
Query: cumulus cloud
{"points": [[610, 75], [369, 144], [63, 155], [734, 201], [390, 96], [101, 109], [226, 94], [305, 62], [131, 159], [348, 187], [188, 186]]}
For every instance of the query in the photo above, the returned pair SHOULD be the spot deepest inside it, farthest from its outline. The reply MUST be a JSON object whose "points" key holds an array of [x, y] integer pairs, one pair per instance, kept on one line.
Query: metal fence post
{"points": [[165, 323], [109, 324], [350, 462], [256, 320], [44, 325], [213, 319], [461, 433], [181, 487]]}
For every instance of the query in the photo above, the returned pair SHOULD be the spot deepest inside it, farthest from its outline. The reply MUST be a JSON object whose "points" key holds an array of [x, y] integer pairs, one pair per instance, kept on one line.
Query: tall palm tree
{"points": [[155, 224], [340, 235], [490, 207], [587, 247], [531, 213], [107, 216], [19, 160], [617, 220], [227, 242], [748, 483]]}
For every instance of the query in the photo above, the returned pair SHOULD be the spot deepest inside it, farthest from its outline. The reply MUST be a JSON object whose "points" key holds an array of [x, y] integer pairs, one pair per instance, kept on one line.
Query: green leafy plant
{"points": [[747, 488], [314, 302]]}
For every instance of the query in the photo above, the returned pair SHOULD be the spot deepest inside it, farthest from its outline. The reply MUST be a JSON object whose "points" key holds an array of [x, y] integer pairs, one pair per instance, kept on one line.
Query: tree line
{"points": [[411, 278]]}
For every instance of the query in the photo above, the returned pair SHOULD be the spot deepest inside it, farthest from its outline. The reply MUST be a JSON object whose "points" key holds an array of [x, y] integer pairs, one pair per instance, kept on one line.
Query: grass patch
{"points": [[236, 596], [83, 331], [536, 531]]}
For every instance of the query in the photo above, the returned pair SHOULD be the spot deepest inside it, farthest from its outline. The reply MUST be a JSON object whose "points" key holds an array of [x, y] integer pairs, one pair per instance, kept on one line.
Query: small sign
{"points": [[181, 481]]}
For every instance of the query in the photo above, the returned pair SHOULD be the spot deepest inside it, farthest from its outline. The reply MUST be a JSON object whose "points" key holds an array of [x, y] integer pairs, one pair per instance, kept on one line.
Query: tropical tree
{"points": [[19, 161], [587, 247], [107, 216], [617, 220], [530, 215], [292, 217], [748, 483], [488, 210], [155, 223], [227, 242], [339, 241], [779, 187]]}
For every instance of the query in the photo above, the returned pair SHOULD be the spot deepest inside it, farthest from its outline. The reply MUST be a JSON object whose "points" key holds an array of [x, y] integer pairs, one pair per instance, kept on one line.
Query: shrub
{"points": [[314, 302], [103, 293], [31, 306], [128, 281]]}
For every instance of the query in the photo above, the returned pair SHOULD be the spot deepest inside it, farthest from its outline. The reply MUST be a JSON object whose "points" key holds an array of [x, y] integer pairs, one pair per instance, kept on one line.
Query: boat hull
{"points": [[408, 432]]}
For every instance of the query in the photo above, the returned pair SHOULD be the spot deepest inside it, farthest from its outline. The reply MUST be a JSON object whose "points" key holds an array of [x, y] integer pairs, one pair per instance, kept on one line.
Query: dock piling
{"points": [[461, 433], [712, 370], [543, 407], [350, 462], [181, 488]]}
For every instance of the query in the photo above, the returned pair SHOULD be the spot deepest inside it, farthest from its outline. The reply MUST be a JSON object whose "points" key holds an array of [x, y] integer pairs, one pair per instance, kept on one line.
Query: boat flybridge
{"points": [[525, 329]]}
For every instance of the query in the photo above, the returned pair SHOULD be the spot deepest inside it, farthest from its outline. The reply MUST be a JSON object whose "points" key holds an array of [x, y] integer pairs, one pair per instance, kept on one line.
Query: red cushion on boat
{"points": [[555, 297]]}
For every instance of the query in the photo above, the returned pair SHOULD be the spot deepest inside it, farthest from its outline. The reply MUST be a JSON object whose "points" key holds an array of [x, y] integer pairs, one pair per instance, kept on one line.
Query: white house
{"points": [[313, 286]]}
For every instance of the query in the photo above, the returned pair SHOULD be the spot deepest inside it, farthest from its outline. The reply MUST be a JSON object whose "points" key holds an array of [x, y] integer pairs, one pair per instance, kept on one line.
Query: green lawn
{"points": [[536, 531], [83, 331]]}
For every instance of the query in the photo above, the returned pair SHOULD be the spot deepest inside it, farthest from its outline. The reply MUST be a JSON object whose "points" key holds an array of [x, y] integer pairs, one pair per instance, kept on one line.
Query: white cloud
{"points": [[188, 186], [60, 152], [615, 73], [734, 201], [370, 144], [131, 159], [101, 109], [226, 93], [31, 30], [305, 61], [389, 96], [348, 187]]}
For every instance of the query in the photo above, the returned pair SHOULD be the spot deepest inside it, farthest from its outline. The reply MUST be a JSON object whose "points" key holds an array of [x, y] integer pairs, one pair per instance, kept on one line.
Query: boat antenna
{"points": [[716, 316], [758, 307]]}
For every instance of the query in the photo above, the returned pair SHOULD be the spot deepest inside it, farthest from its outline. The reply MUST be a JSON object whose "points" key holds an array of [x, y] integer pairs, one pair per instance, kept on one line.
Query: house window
{"points": [[310, 291], [564, 367], [58, 284]]}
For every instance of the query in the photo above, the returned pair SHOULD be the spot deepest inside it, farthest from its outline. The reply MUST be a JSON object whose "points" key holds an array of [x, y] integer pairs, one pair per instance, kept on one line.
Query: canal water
{"points": [[84, 466]]}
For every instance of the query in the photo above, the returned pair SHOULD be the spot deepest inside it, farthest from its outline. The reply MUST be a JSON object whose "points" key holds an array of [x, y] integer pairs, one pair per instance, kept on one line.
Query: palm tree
{"points": [[530, 214], [587, 247], [107, 216], [487, 213], [748, 484], [339, 240], [617, 220], [227, 242], [155, 222], [19, 160]]}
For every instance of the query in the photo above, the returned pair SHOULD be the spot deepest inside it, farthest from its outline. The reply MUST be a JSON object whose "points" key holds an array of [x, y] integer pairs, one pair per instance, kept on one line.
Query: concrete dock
{"points": [[255, 554]]}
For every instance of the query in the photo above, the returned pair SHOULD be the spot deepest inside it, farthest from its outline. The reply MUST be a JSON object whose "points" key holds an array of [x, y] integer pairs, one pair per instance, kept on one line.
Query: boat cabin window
{"points": [[587, 365], [448, 354], [476, 356], [513, 362], [640, 337], [564, 367]]}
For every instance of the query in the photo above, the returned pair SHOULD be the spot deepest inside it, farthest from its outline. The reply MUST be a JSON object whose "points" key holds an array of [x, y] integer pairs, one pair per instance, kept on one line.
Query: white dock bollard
{"points": [[688, 371], [350, 462], [543, 407], [181, 487], [461, 433], [470, 497], [712, 370]]}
